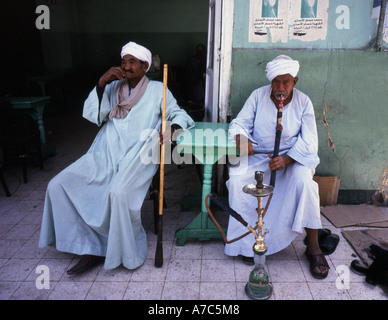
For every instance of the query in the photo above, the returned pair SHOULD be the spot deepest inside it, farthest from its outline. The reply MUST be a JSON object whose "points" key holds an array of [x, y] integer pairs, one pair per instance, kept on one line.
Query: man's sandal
{"points": [[317, 260], [327, 241], [358, 268]]}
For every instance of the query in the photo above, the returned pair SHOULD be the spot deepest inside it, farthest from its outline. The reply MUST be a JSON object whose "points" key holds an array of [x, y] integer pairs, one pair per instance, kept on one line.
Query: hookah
{"points": [[258, 287]]}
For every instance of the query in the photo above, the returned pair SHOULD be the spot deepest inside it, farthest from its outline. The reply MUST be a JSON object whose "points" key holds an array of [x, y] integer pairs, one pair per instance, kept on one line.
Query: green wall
{"points": [[352, 83]]}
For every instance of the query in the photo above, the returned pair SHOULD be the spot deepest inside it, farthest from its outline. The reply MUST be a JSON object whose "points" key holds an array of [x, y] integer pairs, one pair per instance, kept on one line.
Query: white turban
{"points": [[138, 51], [281, 65]]}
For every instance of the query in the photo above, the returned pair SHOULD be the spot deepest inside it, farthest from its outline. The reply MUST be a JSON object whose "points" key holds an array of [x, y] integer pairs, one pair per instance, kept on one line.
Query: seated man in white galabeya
{"points": [[295, 203], [92, 208]]}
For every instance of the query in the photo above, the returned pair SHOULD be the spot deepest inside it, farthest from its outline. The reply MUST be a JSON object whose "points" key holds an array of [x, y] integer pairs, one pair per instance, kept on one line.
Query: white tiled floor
{"points": [[196, 271]]}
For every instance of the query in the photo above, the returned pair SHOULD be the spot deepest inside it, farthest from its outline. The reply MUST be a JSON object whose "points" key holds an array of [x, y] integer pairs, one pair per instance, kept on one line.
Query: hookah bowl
{"points": [[259, 286]]}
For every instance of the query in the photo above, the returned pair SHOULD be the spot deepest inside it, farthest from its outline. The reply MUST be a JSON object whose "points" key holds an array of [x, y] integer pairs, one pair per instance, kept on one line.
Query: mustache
{"points": [[281, 94], [129, 71]]}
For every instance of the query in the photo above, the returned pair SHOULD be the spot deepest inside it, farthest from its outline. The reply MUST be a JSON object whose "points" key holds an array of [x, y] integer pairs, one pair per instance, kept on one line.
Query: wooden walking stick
{"points": [[159, 244]]}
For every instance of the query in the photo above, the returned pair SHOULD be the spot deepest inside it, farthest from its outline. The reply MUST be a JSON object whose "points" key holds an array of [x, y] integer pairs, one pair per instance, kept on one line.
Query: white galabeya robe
{"points": [[93, 206], [295, 201]]}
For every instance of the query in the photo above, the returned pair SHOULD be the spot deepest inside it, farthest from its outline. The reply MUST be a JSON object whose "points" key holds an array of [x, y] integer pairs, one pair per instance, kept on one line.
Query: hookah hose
{"points": [[233, 213], [279, 129]]}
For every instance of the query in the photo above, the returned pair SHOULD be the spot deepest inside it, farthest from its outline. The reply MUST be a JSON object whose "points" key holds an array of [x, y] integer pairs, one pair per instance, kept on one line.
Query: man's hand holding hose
{"points": [[280, 162], [245, 147]]}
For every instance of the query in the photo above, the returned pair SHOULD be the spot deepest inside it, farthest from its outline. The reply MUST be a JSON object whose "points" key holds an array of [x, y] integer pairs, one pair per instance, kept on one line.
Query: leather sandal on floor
{"points": [[317, 260], [358, 268], [327, 241]]}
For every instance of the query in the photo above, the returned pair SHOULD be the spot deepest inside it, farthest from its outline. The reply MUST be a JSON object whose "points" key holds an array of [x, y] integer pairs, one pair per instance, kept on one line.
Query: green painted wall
{"points": [[353, 84]]}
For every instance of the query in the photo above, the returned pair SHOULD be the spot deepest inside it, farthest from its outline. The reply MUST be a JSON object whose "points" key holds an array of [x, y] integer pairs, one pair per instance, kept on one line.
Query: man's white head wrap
{"points": [[281, 65], [138, 51]]}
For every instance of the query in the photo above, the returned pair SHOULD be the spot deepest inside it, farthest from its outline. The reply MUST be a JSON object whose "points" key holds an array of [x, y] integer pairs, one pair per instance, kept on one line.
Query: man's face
{"points": [[282, 86], [133, 67]]}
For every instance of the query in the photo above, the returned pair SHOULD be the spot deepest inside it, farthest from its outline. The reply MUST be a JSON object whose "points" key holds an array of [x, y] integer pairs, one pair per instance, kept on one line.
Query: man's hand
{"points": [[244, 146], [280, 162], [167, 136], [114, 73], [170, 133]]}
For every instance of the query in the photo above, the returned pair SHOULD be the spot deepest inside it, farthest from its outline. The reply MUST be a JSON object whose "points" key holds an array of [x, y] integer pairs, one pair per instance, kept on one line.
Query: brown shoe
{"points": [[317, 260], [86, 262]]}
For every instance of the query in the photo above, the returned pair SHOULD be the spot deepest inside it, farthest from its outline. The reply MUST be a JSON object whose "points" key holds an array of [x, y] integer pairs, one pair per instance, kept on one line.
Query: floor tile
{"points": [[214, 250], [7, 288], [70, 290], [328, 291], [291, 291], [107, 290], [17, 269], [181, 290], [148, 271], [192, 250], [184, 270], [277, 268], [28, 290], [366, 291], [8, 248], [144, 290], [218, 290], [220, 270]]}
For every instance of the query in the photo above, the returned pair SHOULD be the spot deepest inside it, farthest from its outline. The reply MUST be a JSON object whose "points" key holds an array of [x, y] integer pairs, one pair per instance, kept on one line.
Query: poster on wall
{"points": [[284, 20]]}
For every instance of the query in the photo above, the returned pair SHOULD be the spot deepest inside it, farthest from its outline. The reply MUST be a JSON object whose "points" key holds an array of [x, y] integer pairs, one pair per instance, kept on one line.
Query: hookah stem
{"points": [[230, 211], [217, 224], [279, 129], [234, 214]]}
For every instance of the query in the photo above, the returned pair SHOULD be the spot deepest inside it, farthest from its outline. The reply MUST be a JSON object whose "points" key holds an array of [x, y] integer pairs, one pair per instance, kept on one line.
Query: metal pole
{"points": [[380, 28]]}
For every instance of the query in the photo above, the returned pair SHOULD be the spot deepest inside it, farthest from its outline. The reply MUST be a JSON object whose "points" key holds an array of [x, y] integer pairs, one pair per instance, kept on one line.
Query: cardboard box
{"points": [[328, 190]]}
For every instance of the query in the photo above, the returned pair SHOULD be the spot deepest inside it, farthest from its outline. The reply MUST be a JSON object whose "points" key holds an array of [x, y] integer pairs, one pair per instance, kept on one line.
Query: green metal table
{"points": [[208, 142], [34, 107]]}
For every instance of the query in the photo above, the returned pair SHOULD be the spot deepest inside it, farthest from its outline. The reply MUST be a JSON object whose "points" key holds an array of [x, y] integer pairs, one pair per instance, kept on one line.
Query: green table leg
{"points": [[202, 227], [191, 200]]}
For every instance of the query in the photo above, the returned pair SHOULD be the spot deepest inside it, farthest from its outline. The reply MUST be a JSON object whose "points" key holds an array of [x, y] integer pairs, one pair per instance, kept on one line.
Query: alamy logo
{"points": [[43, 280], [343, 20], [205, 144], [343, 280], [42, 21]]}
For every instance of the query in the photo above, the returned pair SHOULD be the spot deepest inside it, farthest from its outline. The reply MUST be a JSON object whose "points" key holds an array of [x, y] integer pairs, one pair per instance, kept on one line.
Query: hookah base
{"points": [[258, 292]]}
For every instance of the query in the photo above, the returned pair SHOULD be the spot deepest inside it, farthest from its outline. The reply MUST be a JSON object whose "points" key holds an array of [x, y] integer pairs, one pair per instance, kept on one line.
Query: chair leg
{"points": [[4, 184], [39, 152], [23, 158]]}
